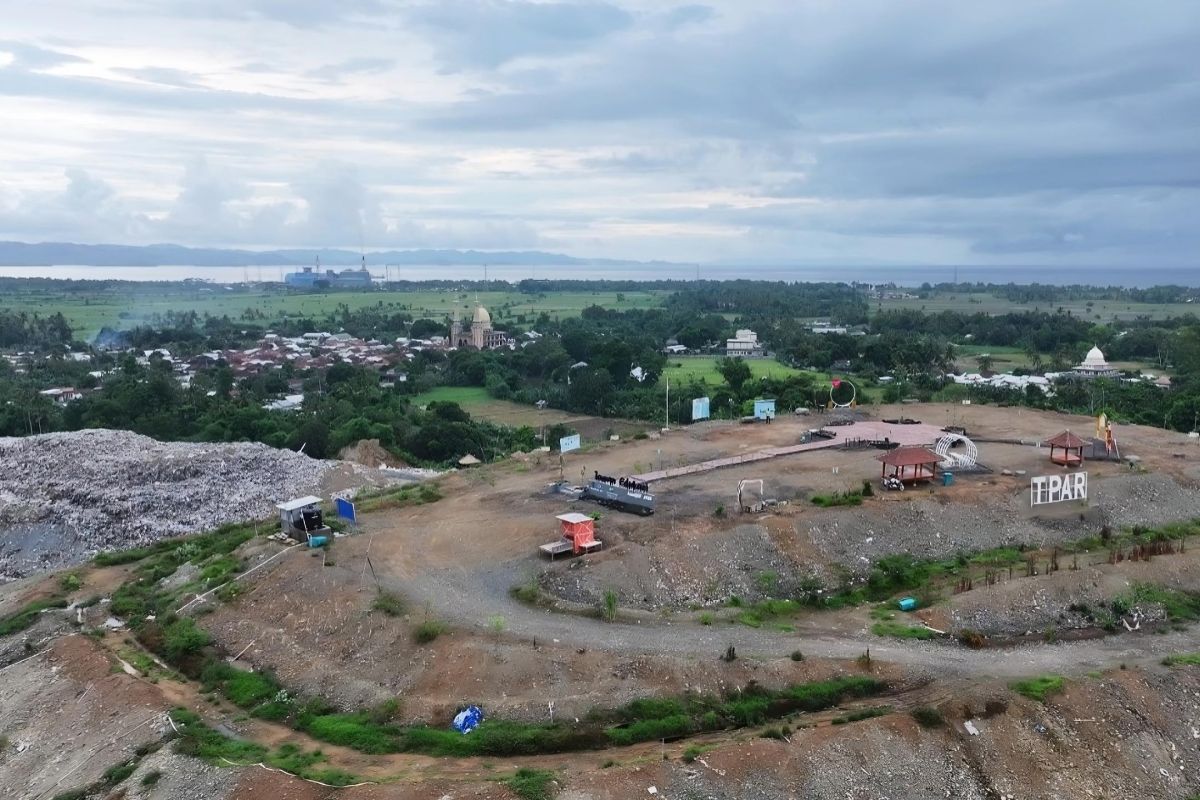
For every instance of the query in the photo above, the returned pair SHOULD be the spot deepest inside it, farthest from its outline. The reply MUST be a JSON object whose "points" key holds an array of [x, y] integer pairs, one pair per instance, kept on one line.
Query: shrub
{"points": [[152, 777], [118, 772], [388, 603], [1039, 688], [972, 638], [608, 607], [428, 630], [899, 630], [1182, 659], [69, 582], [691, 753], [182, 638], [797, 655], [861, 714], [531, 784], [928, 717], [527, 592], [706, 618]]}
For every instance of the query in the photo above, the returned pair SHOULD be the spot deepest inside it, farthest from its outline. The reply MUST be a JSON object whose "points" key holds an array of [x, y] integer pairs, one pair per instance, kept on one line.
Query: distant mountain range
{"points": [[22, 254]]}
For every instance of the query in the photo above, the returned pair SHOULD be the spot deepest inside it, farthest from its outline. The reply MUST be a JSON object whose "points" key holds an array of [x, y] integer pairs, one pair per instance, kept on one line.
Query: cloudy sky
{"points": [[782, 131]]}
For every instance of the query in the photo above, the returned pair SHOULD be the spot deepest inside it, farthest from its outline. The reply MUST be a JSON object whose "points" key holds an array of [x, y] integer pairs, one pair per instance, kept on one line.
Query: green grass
{"points": [[861, 714], [129, 304], [428, 630], [852, 498], [465, 396], [29, 614], [682, 369], [928, 717], [1101, 310], [531, 784], [1039, 688], [1177, 605], [898, 630], [388, 603], [1182, 659]]}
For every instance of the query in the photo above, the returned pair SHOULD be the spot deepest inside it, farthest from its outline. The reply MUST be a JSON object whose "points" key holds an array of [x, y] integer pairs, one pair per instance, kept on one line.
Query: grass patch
{"points": [[861, 714], [428, 630], [928, 717], [1177, 605], [531, 784], [388, 603], [527, 592], [412, 494], [29, 614], [852, 498], [898, 630], [1039, 688], [1182, 660]]}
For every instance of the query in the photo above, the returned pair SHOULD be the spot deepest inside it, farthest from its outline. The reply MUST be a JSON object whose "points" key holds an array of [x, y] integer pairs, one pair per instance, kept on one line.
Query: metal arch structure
{"points": [[853, 394], [967, 458]]}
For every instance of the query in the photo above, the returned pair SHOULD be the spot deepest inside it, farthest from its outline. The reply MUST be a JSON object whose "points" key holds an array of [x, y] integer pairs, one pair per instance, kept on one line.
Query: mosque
{"points": [[1094, 366], [481, 335]]}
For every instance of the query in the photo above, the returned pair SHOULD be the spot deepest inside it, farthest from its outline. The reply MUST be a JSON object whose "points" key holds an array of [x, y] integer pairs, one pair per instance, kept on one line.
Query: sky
{"points": [[828, 132]]}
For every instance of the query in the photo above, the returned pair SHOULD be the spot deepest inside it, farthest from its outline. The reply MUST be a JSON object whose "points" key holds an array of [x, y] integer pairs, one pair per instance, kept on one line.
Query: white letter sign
{"points": [[1058, 488]]}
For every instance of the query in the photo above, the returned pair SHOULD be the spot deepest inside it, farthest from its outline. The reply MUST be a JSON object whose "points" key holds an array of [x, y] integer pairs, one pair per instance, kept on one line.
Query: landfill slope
{"points": [[66, 496]]}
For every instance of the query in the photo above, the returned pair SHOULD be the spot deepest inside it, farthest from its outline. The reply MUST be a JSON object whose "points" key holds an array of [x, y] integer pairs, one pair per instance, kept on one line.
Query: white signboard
{"points": [[568, 443], [700, 408], [1058, 488]]}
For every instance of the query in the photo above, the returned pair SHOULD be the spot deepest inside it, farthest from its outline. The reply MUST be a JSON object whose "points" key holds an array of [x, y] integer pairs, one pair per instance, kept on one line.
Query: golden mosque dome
{"points": [[481, 315]]}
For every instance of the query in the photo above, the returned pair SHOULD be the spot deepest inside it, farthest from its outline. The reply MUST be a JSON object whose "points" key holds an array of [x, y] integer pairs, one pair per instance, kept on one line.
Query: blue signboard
{"points": [[345, 509], [568, 443], [764, 409], [700, 408]]}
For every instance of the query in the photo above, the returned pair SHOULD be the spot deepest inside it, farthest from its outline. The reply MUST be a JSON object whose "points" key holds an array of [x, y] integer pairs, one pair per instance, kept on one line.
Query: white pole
{"points": [[667, 405]]}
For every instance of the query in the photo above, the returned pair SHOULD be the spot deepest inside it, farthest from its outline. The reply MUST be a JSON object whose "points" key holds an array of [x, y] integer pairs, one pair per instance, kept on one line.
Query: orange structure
{"points": [[1071, 447], [910, 464], [578, 536]]}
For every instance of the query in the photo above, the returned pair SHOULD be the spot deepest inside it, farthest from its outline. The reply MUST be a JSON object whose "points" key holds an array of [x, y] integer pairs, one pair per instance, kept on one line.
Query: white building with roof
{"points": [[1094, 366]]}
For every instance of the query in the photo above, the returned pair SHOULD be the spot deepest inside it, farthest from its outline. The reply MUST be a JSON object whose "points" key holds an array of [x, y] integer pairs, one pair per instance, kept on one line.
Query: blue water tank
{"points": [[947, 479], [907, 603], [318, 541]]}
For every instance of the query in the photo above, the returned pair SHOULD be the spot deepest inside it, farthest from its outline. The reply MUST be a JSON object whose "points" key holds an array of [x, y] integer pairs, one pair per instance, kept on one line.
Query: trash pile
{"points": [[94, 490]]}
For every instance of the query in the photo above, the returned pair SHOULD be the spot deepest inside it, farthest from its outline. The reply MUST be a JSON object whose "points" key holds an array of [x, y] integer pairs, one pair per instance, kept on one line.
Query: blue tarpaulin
{"points": [[345, 509], [468, 719]]}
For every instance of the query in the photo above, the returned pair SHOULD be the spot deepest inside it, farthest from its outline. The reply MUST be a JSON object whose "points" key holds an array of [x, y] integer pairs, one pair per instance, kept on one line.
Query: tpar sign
{"points": [[1058, 488]]}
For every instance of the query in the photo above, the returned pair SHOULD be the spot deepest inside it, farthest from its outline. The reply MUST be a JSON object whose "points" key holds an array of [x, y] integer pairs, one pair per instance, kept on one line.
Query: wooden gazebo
{"points": [[910, 464], [1066, 449]]}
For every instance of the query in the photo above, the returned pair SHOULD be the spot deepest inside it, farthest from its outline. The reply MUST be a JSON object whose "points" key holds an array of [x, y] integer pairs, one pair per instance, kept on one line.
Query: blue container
{"points": [[947, 479], [318, 541], [907, 603]]}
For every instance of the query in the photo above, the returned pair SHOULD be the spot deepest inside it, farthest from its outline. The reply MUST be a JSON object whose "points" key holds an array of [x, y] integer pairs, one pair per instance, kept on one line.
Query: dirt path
{"points": [[470, 599]]}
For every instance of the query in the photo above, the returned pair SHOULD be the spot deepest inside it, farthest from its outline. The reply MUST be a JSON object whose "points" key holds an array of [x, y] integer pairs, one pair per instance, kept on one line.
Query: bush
{"points": [[608, 608], [119, 772], [1039, 688], [69, 582], [152, 777], [528, 592], [797, 655], [182, 638], [706, 618], [861, 714], [428, 630], [928, 717], [899, 630], [531, 784], [388, 603], [691, 753]]}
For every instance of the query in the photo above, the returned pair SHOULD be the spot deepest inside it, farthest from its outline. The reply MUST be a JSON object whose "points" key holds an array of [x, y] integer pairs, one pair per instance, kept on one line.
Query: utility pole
{"points": [[667, 406]]}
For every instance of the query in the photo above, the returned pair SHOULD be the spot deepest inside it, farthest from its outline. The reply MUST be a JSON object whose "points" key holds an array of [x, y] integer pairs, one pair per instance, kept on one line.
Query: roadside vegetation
{"points": [[1039, 688]]}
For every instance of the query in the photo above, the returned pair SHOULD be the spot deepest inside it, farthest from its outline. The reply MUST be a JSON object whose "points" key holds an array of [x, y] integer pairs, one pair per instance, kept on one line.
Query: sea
{"points": [[1139, 277]]}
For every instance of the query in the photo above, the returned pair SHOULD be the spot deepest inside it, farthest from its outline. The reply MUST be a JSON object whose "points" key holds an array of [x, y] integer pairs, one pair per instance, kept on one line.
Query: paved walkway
{"points": [[919, 434]]}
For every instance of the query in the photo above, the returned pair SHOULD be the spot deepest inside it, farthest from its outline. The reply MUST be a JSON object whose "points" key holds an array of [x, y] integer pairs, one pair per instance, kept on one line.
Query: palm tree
{"points": [[985, 361]]}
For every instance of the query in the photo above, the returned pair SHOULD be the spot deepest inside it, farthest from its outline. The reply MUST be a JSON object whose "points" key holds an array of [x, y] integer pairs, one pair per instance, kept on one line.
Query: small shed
{"points": [[910, 464], [1066, 449], [300, 517], [579, 529]]}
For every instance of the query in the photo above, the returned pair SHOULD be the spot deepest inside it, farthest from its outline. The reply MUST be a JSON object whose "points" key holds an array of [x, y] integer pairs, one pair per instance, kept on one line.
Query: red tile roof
{"points": [[908, 456], [1066, 439]]}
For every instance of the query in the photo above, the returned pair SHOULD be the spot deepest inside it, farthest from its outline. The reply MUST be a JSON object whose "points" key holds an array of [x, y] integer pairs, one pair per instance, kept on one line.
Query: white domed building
{"points": [[1094, 366], [481, 335]]}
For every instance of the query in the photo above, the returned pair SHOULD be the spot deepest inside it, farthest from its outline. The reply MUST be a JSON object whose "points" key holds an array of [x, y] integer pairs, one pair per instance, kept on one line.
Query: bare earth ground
{"points": [[1114, 733]]}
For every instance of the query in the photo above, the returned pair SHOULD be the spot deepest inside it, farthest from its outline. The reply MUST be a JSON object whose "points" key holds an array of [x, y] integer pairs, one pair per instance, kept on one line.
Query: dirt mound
{"points": [[370, 453]]}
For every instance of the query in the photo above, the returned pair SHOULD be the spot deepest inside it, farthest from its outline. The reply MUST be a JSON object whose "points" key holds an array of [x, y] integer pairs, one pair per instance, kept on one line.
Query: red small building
{"points": [[1071, 447], [578, 536], [910, 464]]}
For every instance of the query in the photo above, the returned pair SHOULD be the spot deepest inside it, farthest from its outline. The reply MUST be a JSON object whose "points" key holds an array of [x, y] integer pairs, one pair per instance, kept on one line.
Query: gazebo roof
{"points": [[908, 456], [1066, 439]]}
